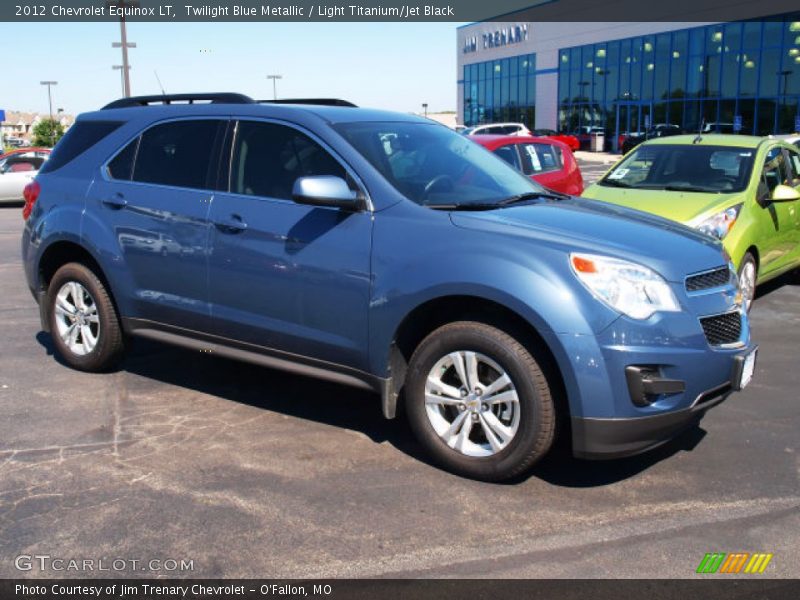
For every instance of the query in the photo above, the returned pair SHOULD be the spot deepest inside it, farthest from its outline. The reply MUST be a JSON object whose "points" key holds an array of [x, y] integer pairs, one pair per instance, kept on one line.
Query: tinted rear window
{"points": [[79, 138], [177, 153], [122, 165]]}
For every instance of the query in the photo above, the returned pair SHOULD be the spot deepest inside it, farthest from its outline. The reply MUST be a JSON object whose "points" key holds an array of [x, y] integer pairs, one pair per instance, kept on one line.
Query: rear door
{"points": [[286, 276], [155, 194]]}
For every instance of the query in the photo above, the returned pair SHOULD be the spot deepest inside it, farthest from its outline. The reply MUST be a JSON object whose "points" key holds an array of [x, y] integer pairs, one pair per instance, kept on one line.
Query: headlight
{"points": [[626, 287], [719, 224]]}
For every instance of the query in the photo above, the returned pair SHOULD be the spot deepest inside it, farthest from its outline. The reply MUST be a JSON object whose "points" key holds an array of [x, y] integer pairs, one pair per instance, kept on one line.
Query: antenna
{"points": [[163, 91]]}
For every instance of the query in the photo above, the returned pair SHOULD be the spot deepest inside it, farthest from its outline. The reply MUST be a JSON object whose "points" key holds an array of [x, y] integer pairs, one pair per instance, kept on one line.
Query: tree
{"points": [[47, 132]]}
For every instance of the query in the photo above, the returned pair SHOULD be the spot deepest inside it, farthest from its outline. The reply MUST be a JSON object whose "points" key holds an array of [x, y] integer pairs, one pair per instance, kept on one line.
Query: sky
{"points": [[394, 66]]}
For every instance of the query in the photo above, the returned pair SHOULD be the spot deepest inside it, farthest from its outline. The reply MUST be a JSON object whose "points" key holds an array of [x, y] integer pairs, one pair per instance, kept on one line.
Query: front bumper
{"points": [[606, 438], [599, 439]]}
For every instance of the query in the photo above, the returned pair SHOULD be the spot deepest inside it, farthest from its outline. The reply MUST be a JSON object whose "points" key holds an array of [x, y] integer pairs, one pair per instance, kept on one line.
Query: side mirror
{"points": [[326, 190], [784, 193]]}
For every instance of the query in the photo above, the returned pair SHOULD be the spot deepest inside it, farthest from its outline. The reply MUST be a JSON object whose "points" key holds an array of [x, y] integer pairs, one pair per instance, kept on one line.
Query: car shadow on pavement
{"points": [[787, 279], [562, 469], [351, 408]]}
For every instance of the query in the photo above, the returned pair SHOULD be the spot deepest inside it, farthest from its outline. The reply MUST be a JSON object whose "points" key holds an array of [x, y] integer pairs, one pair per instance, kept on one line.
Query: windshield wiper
{"points": [[690, 188], [531, 196], [526, 197], [465, 206], [615, 183]]}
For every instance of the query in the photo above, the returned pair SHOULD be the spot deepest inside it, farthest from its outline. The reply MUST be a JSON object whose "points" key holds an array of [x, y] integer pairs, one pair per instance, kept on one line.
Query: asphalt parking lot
{"points": [[249, 472]]}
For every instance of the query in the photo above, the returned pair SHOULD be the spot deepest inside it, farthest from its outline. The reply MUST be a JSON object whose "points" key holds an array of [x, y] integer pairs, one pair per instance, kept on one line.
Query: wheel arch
{"points": [[56, 255], [434, 313]]}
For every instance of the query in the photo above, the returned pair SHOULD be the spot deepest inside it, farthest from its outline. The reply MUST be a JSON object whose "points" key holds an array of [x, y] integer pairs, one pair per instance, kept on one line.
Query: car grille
{"points": [[722, 329], [709, 279]]}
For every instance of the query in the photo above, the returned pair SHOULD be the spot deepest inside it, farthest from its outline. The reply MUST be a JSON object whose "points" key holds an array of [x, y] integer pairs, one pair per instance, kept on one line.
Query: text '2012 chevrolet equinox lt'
{"points": [[384, 251]]}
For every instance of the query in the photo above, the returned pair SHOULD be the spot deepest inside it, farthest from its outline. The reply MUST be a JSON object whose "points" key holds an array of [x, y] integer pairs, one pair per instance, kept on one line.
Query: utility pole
{"points": [[274, 85], [49, 85], [124, 43], [122, 71]]}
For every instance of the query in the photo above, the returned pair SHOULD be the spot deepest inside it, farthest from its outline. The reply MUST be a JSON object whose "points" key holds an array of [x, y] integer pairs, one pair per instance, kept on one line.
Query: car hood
{"points": [[577, 225], [678, 206]]}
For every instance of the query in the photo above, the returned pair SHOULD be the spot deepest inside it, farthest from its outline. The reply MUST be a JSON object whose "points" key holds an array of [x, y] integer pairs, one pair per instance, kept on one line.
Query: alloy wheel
{"points": [[76, 318], [747, 283], [472, 403]]}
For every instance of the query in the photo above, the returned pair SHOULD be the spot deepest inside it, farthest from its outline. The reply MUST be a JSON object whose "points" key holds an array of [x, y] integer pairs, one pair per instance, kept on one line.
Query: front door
{"points": [[282, 275], [778, 222]]}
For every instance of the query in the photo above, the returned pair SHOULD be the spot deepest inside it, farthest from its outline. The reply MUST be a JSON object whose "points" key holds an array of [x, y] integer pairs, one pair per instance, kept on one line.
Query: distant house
{"points": [[18, 126]]}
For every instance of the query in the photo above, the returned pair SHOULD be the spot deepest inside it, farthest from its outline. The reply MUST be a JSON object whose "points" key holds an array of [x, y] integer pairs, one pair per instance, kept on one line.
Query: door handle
{"points": [[116, 201], [233, 224]]}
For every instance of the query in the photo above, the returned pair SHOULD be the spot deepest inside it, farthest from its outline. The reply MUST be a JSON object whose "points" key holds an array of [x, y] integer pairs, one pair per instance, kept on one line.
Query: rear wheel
{"points": [[83, 321], [478, 401], [748, 274]]}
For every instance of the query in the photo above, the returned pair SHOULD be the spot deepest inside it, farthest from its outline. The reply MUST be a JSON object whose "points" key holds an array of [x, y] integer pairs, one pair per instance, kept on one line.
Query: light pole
{"points": [[274, 85], [425, 108], [124, 43]]}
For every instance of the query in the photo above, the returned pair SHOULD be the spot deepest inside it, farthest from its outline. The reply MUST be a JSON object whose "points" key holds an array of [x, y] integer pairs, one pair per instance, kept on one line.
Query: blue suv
{"points": [[387, 252]]}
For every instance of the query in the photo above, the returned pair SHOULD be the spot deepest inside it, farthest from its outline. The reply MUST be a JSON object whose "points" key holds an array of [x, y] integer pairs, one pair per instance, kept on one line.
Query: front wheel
{"points": [[83, 321], [748, 274], [479, 402]]}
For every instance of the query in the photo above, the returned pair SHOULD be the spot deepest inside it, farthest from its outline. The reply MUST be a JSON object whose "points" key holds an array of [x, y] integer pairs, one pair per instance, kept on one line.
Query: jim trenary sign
{"points": [[494, 39]]}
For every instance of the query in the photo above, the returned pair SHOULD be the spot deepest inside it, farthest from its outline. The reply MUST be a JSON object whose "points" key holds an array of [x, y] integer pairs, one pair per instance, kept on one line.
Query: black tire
{"points": [[748, 260], [537, 417], [110, 343]]}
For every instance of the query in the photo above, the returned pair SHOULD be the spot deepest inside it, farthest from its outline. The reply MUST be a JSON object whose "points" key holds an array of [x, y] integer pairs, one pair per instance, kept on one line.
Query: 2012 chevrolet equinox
{"points": [[384, 251]]}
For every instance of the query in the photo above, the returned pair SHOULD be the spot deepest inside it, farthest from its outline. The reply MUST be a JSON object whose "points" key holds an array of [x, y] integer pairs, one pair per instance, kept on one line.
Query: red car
{"points": [[544, 160], [37, 152], [570, 140]]}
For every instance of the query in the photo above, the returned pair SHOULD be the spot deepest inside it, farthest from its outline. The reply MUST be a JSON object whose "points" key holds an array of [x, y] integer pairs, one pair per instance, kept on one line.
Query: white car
{"points": [[498, 129], [17, 171], [791, 138]]}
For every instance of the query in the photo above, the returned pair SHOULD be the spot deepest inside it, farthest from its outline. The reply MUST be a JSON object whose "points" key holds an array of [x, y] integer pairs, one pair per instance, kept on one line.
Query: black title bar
{"points": [[388, 10]]}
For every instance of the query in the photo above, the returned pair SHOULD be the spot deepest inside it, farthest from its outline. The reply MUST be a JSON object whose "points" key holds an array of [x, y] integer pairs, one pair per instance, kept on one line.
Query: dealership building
{"points": [[625, 77]]}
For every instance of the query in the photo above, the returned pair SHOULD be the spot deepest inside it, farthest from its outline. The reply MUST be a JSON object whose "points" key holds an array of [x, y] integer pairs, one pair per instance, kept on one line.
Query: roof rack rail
{"points": [[162, 99], [314, 101]]}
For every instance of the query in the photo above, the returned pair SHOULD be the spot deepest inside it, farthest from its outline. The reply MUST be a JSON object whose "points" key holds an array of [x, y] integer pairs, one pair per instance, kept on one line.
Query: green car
{"points": [[740, 189]]}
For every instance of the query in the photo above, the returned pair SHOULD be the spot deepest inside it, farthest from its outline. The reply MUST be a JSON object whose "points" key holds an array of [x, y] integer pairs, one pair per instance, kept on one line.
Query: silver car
{"points": [[17, 171]]}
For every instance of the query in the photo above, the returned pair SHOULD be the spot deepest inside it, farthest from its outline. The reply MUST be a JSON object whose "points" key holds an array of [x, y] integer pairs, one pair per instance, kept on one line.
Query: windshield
{"points": [[691, 168], [432, 165]]}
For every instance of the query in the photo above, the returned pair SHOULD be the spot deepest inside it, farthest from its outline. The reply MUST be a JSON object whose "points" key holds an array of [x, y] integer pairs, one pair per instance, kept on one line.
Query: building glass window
{"points": [[500, 90], [712, 73]]}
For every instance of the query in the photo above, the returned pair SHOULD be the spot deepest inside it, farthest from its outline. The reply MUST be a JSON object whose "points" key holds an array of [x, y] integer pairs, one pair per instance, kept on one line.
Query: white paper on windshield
{"points": [[618, 174], [537, 164]]}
